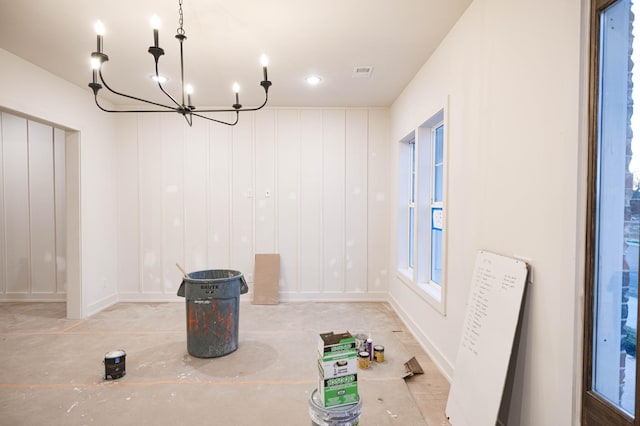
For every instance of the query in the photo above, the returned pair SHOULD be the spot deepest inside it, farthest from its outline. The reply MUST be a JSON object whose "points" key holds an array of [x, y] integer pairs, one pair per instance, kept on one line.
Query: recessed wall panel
{"points": [[378, 203], [356, 195], [129, 199], [243, 195], [41, 208], [16, 203], [265, 175], [219, 196], [311, 198], [288, 197], [196, 196], [333, 200], [60, 201], [151, 195], [172, 201]]}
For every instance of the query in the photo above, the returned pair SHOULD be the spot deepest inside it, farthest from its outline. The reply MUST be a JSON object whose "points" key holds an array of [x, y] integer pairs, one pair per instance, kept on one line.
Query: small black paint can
{"points": [[114, 364]]}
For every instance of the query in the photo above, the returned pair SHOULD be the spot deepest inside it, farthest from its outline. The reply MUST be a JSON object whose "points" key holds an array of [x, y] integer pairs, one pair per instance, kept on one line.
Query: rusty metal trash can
{"points": [[212, 300]]}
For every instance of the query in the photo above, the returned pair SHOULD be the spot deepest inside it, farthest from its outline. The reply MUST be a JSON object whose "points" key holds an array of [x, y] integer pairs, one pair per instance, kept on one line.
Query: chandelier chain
{"points": [[180, 18]]}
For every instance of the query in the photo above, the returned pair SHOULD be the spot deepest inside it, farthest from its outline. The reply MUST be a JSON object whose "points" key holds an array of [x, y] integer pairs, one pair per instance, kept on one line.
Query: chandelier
{"points": [[182, 106]]}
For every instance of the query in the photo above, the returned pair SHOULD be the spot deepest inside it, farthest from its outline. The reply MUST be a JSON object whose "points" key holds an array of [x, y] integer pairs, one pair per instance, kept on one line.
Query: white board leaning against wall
{"points": [[489, 328]]}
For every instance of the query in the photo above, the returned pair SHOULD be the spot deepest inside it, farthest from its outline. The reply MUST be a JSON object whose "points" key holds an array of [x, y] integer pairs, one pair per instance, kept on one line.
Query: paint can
{"points": [[344, 415], [114, 364], [361, 342], [378, 353], [363, 360]]}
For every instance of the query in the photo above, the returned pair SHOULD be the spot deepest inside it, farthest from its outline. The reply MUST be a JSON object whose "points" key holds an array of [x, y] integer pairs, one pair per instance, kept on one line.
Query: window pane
{"points": [[411, 236], [436, 245], [439, 142], [617, 215], [438, 164], [412, 190], [437, 188], [436, 256]]}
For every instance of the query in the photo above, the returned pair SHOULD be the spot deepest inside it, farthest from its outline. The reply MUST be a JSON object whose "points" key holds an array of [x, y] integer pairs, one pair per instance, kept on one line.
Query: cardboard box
{"points": [[333, 346], [266, 279], [338, 391], [338, 368]]}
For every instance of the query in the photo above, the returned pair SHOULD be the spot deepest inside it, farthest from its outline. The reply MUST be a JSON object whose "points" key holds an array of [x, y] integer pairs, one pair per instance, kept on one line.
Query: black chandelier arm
{"points": [[266, 98], [228, 123], [188, 117], [172, 109], [131, 110], [162, 88]]}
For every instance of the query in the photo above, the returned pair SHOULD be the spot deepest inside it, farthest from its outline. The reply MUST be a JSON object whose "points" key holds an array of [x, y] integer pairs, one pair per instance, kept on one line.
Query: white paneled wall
{"points": [[32, 210], [310, 184]]}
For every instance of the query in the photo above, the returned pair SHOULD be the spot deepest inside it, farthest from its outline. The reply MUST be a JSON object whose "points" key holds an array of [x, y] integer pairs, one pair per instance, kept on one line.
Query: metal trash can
{"points": [[212, 299]]}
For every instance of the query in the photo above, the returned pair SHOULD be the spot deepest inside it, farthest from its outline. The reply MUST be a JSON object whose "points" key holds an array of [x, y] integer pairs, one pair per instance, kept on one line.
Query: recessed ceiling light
{"points": [[161, 79], [313, 80]]}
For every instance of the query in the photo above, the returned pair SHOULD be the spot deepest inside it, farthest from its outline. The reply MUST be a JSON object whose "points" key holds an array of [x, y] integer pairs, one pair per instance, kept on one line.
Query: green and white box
{"points": [[338, 391], [335, 345], [337, 369]]}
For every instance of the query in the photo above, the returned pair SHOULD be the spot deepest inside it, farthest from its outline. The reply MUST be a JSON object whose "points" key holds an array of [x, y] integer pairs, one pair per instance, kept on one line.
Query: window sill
{"points": [[429, 292]]}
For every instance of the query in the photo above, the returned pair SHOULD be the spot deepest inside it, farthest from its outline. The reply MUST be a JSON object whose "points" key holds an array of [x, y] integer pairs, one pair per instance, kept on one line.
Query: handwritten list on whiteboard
{"points": [[489, 327]]}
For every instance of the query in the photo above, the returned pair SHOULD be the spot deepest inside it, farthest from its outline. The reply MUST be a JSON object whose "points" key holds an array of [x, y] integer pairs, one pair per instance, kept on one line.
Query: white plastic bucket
{"points": [[344, 415]]}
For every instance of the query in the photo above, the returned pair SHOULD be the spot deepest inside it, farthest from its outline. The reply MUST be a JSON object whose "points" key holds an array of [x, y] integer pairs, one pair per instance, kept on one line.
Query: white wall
{"points": [[310, 184], [32, 92], [511, 73], [32, 210]]}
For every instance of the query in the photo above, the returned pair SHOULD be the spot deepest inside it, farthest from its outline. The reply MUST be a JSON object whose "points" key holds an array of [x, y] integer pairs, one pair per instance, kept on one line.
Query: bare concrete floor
{"points": [[52, 372]]}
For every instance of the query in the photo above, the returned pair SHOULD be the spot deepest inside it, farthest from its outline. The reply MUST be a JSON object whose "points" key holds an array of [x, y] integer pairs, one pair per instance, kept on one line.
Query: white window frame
{"points": [[404, 197], [417, 278]]}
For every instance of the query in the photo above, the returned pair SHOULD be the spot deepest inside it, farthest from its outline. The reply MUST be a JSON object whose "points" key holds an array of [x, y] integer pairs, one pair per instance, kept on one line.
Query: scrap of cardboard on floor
{"points": [[266, 279], [412, 367]]}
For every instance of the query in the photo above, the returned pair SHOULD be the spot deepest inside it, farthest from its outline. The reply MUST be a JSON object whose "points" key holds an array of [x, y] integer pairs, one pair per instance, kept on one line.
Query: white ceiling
{"points": [[226, 39]]}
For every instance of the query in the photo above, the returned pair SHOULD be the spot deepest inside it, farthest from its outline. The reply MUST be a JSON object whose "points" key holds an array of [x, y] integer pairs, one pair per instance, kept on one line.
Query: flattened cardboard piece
{"points": [[412, 367], [266, 279]]}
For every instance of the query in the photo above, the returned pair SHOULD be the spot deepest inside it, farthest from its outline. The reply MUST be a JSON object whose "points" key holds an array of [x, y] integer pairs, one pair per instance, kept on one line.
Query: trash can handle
{"points": [[244, 288]]}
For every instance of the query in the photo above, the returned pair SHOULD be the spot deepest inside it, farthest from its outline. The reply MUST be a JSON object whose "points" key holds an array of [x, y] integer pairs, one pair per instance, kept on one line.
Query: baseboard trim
{"points": [[101, 305], [445, 367], [33, 297]]}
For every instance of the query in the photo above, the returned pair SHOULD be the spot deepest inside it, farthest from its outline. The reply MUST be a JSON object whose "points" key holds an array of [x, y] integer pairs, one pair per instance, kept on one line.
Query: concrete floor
{"points": [[51, 368]]}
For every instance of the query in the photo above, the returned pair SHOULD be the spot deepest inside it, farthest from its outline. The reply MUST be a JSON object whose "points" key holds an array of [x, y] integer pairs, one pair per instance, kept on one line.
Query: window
{"points": [[411, 207], [437, 143], [421, 222], [613, 231]]}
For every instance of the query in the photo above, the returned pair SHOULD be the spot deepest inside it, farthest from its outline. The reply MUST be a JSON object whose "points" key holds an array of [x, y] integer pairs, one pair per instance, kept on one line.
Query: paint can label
{"points": [[378, 353], [114, 364], [363, 360]]}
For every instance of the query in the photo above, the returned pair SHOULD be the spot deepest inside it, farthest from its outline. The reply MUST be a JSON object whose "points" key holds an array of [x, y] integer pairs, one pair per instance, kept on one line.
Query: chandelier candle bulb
{"points": [[265, 62], [155, 24], [189, 89], [99, 27], [95, 64]]}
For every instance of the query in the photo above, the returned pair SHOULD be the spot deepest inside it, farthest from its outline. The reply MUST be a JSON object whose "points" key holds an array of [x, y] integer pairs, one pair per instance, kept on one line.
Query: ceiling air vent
{"points": [[362, 72]]}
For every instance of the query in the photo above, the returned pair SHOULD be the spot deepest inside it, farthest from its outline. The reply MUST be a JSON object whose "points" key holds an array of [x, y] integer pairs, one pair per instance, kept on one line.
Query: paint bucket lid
{"points": [[115, 354], [344, 415]]}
